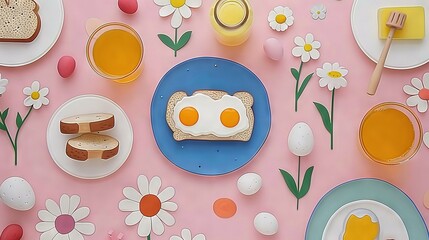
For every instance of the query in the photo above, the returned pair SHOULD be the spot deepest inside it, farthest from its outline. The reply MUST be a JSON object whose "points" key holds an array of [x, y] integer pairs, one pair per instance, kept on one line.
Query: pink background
{"points": [[195, 194]]}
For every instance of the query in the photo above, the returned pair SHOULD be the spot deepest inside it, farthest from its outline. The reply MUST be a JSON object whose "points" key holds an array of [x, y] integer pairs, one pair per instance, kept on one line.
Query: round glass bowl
{"points": [[390, 133]]}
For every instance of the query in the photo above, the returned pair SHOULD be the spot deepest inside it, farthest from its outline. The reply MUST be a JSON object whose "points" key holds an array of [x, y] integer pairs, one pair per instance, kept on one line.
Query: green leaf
{"points": [[167, 41], [184, 39], [2, 127], [4, 114], [306, 183], [304, 85], [295, 73], [290, 182], [18, 120], [325, 116]]}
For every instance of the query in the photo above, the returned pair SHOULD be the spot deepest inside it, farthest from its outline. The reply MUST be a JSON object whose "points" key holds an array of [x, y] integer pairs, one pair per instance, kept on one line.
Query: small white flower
{"points": [[64, 221], [186, 235], [280, 18], [179, 8], [148, 206], [3, 84], [318, 11], [306, 49], [332, 75], [36, 96], [419, 91]]}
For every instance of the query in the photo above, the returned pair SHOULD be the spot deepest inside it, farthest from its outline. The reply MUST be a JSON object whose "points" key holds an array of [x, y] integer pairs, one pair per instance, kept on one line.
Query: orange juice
{"points": [[115, 51], [388, 134]]}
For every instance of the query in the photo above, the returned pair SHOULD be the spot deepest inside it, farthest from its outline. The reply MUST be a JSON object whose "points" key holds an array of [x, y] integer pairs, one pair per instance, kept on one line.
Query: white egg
{"points": [[249, 183], [266, 224], [301, 139], [209, 112], [17, 193]]}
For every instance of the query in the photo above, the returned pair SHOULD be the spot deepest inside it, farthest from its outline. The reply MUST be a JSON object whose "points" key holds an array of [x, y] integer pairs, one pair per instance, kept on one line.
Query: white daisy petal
{"points": [[44, 101], [417, 83], [127, 205], [80, 214], [279, 9], [143, 184], [176, 20], [155, 185], [413, 101], [49, 235], [162, 2], [288, 12], [27, 91], [175, 238], [35, 86], [271, 16], [60, 236], [305, 57], [37, 104], [335, 66], [85, 228], [145, 227], [74, 203], [166, 194], [331, 85], [43, 92], [299, 41], [186, 234], [194, 3], [166, 10], [314, 54], [166, 217], [309, 38], [273, 25], [46, 216], [314, 16], [133, 218], [343, 71], [52, 207], [283, 27], [28, 101], [323, 82], [422, 106], [316, 44], [157, 226], [44, 226], [185, 11], [322, 15], [132, 194], [297, 51], [426, 80], [341, 82], [289, 21], [410, 90], [169, 206], [278, 27], [64, 203], [75, 235], [199, 237], [327, 66]]}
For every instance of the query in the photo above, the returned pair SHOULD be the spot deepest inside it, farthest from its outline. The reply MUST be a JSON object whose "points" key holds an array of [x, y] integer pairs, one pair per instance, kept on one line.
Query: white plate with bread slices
{"points": [[29, 30], [89, 137]]}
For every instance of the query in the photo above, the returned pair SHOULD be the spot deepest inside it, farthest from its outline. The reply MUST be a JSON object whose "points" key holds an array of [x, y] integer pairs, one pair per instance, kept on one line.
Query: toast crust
{"points": [[92, 146], [87, 123]]}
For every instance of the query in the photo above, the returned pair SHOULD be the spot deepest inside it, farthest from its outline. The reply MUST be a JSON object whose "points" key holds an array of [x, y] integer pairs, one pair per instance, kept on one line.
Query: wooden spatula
{"points": [[396, 21]]}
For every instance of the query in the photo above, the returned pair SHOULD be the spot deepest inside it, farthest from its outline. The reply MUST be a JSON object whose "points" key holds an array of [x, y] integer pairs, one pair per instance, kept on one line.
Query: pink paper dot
{"points": [[64, 223]]}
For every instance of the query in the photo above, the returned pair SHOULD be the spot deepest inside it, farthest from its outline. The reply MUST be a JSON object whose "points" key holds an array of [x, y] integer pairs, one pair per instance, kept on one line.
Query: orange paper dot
{"points": [[224, 208]]}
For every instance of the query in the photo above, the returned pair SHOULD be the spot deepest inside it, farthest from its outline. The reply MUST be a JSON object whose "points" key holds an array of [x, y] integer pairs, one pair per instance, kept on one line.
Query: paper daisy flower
{"points": [[318, 11], [36, 96], [306, 48], [419, 91], [280, 18], [332, 75], [179, 8], [62, 222], [186, 235], [148, 206], [3, 84]]}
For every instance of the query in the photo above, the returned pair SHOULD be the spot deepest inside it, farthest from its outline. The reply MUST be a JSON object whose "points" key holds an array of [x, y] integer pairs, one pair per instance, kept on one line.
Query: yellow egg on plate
{"points": [[361, 224]]}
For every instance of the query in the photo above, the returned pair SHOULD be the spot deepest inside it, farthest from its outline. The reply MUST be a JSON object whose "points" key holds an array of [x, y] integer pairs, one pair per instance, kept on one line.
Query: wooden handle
{"points": [[376, 75]]}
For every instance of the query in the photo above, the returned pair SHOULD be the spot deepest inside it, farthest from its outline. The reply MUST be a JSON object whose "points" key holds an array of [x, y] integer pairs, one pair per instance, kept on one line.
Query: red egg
{"points": [[12, 232], [66, 66], [128, 6]]}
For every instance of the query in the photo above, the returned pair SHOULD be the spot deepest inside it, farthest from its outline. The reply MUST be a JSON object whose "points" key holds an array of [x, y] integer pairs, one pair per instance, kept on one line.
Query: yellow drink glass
{"points": [[232, 21], [390, 133], [115, 51]]}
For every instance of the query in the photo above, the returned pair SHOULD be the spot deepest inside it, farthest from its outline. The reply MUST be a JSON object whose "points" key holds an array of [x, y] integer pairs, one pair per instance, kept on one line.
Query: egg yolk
{"points": [[360, 228], [188, 116], [229, 117]]}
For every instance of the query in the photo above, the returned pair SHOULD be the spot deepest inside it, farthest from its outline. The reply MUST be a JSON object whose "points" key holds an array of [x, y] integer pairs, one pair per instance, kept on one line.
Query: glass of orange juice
{"points": [[115, 51], [390, 133]]}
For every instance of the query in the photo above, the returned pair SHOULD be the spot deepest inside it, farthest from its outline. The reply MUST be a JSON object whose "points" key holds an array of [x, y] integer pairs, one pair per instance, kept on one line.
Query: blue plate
{"points": [[367, 189], [210, 157]]}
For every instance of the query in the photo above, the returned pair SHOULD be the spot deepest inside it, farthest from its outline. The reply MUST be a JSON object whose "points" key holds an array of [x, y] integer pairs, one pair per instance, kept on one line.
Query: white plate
{"points": [[391, 225], [93, 168], [18, 54], [403, 54]]}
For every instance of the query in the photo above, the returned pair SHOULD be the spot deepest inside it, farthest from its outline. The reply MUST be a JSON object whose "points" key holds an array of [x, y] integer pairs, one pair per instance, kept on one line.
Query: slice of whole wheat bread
{"points": [[86, 123], [90, 146], [19, 20]]}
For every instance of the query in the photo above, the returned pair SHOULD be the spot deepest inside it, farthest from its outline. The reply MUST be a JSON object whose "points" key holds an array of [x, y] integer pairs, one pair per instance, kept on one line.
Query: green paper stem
{"points": [[148, 237], [175, 42], [300, 89], [298, 187], [297, 86], [332, 119]]}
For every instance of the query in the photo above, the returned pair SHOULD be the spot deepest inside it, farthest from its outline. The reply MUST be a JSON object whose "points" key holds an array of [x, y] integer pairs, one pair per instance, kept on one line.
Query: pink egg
{"points": [[66, 66], [12, 232], [128, 6], [273, 49]]}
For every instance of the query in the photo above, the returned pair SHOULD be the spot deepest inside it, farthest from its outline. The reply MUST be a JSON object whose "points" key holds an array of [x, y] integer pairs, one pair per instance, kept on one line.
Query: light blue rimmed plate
{"points": [[366, 189]]}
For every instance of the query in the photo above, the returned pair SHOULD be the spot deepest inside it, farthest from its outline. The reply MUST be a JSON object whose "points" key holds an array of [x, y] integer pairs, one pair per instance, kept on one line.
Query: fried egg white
{"points": [[199, 115]]}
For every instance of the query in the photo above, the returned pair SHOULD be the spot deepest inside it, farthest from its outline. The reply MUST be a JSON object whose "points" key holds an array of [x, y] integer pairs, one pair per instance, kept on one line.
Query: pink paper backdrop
{"points": [[196, 194]]}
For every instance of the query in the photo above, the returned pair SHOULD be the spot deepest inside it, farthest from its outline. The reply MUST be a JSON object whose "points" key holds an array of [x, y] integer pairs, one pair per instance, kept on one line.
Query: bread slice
{"points": [[179, 135], [91, 145], [19, 20], [87, 123]]}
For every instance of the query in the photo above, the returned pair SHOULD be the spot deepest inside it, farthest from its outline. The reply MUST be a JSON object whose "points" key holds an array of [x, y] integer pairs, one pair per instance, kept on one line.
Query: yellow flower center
{"points": [[281, 18], [177, 3], [150, 205], [35, 95], [334, 74], [318, 12], [308, 47]]}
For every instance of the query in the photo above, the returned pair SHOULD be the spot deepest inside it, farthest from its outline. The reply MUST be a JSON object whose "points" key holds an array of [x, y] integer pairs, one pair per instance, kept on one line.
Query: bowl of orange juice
{"points": [[115, 51], [390, 133]]}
